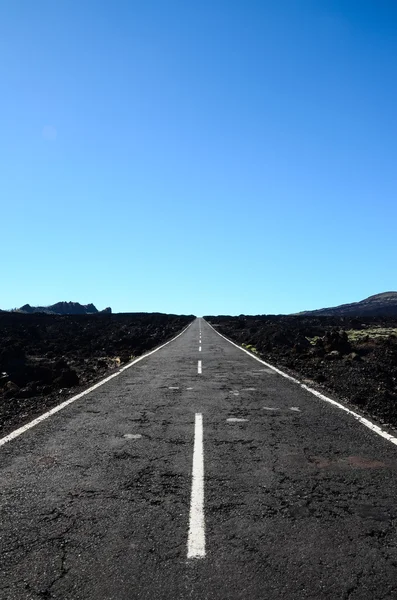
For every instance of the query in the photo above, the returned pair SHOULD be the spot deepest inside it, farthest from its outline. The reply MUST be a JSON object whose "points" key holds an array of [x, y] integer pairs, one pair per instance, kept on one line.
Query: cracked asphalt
{"points": [[299, 497]]}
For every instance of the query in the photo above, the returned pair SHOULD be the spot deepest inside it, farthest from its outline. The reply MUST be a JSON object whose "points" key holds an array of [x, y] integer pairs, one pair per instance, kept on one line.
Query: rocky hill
{"points": [[64, 308], [384, 304]]}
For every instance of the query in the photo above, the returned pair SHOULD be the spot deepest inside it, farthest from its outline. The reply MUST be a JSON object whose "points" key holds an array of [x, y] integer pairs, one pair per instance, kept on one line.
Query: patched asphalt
{"points": [[299, 497]]}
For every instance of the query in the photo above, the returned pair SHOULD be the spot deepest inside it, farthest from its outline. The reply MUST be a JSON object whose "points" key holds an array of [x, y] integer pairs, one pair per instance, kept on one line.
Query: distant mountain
{"points": [[384, 304], [64, 308]]}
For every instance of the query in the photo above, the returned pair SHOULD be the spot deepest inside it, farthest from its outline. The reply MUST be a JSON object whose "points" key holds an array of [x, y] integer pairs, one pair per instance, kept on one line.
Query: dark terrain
{"points": [[45, 358], [356, 358]]}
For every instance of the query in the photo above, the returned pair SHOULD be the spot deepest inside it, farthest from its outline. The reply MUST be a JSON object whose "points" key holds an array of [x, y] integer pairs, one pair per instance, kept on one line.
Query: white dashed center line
{"points": [[196, 539], [199, 348], [199, 367]]}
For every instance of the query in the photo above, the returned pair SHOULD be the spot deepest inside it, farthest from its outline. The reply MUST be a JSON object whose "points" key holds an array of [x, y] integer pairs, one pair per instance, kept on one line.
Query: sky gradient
{"points": [[213, 157]]}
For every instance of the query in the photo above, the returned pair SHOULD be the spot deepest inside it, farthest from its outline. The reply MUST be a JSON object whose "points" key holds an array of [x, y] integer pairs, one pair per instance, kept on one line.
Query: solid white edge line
{"points": [[199, 367], [196, 537], [366, 422], [17, 432]]}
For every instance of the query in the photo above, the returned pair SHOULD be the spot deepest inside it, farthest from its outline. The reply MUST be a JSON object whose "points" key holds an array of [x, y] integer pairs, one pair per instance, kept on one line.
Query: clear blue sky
{"points": [[204, 157]]}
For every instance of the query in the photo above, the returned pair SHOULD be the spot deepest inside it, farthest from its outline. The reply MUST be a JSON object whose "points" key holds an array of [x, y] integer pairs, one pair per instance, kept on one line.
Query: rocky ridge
{"points": [[384, 304], [63, 308]]}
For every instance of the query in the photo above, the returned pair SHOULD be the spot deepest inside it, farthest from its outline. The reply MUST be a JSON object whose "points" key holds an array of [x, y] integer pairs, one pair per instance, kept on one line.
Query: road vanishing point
{"points": [[198, 473]]}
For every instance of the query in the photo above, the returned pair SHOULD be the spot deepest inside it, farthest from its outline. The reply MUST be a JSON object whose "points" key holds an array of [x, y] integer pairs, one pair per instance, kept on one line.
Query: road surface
{"points": [[198, 473]]}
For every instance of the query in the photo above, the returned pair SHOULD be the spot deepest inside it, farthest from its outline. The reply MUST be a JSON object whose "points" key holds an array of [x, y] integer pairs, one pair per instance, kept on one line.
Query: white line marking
{"points": [[295, 408], [236, 420], [17, 432], [366, 422], [173, 387], [196, 539], [269, 408], [199, 348], [199, 367], [132, 436]]}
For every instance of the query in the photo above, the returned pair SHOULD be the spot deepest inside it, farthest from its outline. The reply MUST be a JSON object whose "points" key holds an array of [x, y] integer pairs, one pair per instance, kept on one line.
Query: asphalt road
{"points": [[299, 498]]}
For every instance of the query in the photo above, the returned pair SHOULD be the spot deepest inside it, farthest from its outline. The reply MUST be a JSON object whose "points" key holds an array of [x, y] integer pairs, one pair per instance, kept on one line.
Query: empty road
{"points": [[198, 473]]}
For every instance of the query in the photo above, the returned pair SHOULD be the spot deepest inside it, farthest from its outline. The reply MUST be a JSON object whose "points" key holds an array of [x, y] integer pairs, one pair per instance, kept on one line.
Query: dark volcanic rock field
{"points": [[46, 358], [355, 358]]}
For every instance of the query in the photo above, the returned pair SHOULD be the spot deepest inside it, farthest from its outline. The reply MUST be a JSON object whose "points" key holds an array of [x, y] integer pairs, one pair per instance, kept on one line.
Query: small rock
{"points": [[4, 377], [28, 391], [11, 386], [11, 390], [61, 364], [354, 356], [337, 340], [301, 344], [68, 379]]}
